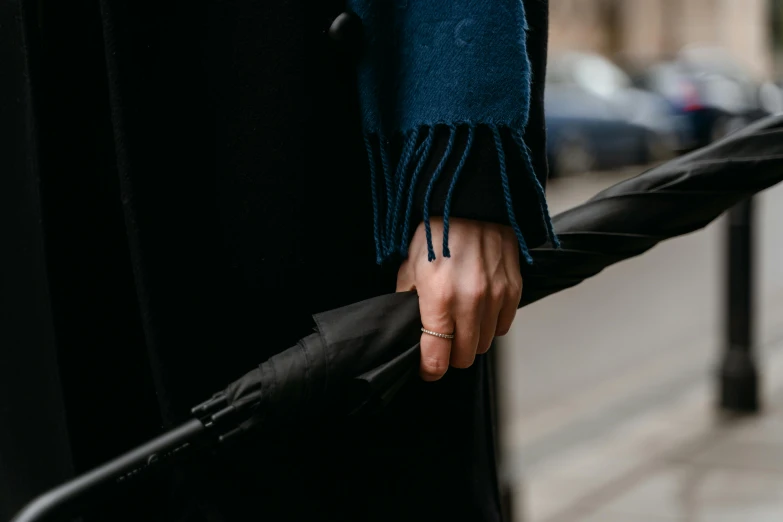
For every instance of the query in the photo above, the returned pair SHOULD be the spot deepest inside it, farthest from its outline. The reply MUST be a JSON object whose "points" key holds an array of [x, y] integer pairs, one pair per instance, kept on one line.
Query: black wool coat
{"points": [[228, 199]]}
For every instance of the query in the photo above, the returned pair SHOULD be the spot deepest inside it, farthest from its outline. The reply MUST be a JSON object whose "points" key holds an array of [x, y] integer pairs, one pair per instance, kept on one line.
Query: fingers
{"points": [[436, 316], [512, 296], [474, 313], [468, 312], [490, 319]]}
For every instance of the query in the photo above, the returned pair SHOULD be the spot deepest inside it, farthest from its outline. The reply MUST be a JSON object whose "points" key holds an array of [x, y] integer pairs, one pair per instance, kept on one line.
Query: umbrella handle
{"points": [[64, 497]]}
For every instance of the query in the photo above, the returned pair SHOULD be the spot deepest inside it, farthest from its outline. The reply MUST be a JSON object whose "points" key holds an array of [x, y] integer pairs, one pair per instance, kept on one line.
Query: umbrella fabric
{"points": [[361, 354], [367, 350], [673, 199]]}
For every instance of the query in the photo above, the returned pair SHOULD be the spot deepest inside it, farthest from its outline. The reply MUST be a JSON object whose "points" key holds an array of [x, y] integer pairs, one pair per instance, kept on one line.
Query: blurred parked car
{"points": [[597, 120], [716, 95]]}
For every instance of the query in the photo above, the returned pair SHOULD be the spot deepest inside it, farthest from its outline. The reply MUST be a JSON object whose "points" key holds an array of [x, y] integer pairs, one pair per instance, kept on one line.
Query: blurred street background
{"points": [[610, 389]]}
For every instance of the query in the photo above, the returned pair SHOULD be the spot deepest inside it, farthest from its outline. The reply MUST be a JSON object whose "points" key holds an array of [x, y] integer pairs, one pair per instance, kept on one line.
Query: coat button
{"points": [[346, 29]]}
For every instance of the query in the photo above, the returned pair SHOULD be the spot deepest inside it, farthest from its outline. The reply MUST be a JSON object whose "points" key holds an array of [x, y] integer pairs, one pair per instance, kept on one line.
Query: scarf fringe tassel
{"points": [[391, 231]]}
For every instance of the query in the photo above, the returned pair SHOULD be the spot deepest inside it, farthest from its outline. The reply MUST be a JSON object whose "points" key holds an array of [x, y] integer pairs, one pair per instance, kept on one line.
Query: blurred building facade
{"points": [[639, 32]]}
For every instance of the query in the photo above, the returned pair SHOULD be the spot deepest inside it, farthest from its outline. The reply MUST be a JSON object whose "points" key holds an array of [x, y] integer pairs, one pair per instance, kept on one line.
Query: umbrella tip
{"points": [[222, 414], [216, 402], [230, 435]]}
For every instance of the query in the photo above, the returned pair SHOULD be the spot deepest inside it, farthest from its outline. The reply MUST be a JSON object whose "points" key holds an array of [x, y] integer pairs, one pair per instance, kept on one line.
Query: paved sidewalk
{"points": [[677, 462], [608, 389]]}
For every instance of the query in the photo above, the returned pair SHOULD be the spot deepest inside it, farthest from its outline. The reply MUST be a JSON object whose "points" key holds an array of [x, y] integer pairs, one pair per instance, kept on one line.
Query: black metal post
{"points": [[738, 375]]}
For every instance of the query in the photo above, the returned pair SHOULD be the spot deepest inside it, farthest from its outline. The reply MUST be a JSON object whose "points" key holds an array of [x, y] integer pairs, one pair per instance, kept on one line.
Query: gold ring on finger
{"points": [[438, 334]]}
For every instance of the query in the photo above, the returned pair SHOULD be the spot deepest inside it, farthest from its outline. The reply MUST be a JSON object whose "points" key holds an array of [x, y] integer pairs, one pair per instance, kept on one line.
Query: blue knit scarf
{"points": [[428, 63]]}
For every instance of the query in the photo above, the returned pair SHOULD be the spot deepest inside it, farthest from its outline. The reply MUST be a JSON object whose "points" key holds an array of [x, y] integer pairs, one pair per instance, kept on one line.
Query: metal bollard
{"points": [[739, 391]]}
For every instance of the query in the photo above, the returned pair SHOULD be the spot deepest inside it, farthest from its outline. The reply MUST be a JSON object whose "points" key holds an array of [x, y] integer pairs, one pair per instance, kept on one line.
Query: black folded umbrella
{"points": [[359, 356], [673, 199], [362, 353]]}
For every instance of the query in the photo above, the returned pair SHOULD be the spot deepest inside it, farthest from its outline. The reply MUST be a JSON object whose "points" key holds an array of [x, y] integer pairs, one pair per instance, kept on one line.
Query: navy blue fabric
{"points": [[453, 64], [443, 61]]}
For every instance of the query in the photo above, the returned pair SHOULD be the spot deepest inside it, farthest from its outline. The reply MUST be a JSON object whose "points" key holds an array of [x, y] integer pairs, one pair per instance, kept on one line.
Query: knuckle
{"points": [[498, 291], [441, 290], [515, 286], [444, 294], [477, 290], [514, 295]]}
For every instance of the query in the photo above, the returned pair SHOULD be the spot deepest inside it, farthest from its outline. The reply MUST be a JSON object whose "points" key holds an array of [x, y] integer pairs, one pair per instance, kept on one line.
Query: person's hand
{"points": [[473, 294]]}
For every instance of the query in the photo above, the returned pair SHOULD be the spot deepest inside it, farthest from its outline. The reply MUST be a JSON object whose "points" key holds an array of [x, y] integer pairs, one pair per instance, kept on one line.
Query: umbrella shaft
{"points": [[65, 498]]}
